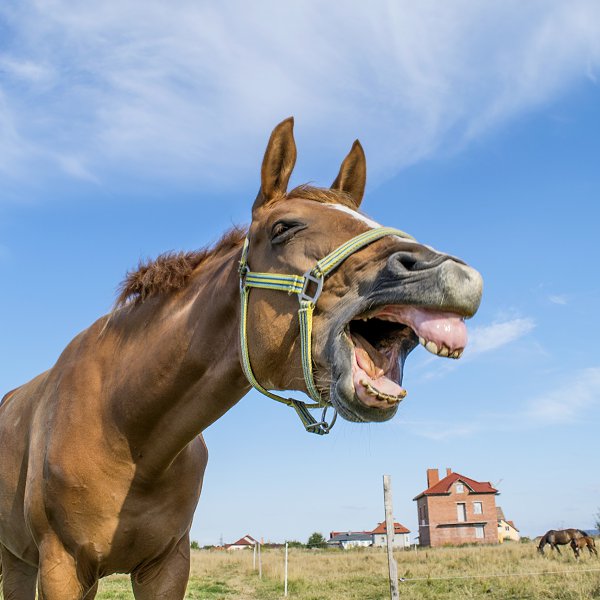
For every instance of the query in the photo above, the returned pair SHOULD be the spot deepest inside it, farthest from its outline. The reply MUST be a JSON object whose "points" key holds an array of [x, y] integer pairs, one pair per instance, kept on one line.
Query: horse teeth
{"points": [[432, 347], [422, 341], [443, 351], [371, 391]]}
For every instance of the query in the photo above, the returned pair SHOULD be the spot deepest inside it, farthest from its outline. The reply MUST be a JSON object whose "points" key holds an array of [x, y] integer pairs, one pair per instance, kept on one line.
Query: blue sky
{"points": [[131, 129]]}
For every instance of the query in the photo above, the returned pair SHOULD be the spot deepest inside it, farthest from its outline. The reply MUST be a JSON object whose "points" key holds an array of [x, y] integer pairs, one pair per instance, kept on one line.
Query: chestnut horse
{"points": [[102, 455], [559, 537], [584, 542]]}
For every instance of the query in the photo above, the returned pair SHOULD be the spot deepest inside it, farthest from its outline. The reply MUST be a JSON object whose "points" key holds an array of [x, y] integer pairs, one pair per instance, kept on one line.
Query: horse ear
{"points": [[278, 163], [353, 174]]}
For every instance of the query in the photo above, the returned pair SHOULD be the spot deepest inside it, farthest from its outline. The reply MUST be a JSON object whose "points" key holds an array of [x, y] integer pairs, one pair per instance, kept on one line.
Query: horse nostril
{"points": [[403, 261]]}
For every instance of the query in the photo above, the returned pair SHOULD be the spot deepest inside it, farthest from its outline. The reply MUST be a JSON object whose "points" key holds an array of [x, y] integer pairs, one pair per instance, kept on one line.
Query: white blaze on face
{"points": [[358, 216], [367, 221]]}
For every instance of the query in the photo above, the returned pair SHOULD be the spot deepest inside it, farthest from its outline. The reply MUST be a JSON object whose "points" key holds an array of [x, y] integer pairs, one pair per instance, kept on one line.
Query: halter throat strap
{"points": [[308, 288]]}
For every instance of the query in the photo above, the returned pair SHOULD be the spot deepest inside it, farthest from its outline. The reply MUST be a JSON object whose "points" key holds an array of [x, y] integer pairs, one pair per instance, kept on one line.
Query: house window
{"points": [[477, 508], [479, 532], [507, 528], [461, 512], [460, 488]]}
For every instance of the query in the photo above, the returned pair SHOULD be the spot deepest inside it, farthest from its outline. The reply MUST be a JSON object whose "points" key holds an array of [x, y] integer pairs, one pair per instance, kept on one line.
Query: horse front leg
{"points": [[18, 578], [165, 578], [61, 576]]}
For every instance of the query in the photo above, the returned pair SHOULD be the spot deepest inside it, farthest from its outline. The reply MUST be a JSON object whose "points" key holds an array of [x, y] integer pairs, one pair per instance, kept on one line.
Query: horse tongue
{"points": [[443, 328], [367, 372], [368, 358]]}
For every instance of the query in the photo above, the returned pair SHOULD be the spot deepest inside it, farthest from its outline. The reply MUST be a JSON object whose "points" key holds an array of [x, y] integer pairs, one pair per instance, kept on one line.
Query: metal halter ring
{"points": [[322, 424]]}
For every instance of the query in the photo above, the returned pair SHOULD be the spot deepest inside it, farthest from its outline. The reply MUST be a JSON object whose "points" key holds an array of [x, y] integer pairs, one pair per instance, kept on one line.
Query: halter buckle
{"points": [[309, 278]]}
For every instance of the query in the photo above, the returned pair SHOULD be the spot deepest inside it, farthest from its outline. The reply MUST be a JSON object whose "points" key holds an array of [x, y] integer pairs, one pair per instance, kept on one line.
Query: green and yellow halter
{"points": [[300, 284]]}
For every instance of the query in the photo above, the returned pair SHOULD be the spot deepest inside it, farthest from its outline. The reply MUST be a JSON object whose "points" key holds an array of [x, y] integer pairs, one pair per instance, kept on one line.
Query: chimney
{"points": [[433, 477], [448, 471]]}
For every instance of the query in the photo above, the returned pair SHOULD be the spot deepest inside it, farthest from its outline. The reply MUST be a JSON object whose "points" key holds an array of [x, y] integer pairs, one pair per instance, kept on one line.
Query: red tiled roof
{"points": [[443, 485], [247, 540], [512, 525], [398, 528]]}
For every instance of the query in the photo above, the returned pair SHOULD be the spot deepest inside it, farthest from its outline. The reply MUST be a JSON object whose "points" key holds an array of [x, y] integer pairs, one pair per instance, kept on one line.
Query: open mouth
{"points": [[383, 338]]}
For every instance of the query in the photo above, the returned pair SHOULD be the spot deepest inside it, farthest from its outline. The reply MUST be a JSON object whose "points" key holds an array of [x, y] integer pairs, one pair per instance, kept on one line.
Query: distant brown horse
{"points": [[102, 457], [584, 542], [559, 537]]}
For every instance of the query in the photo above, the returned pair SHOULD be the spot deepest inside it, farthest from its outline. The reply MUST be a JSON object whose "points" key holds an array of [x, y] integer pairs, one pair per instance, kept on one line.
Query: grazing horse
{"points": [[556, 537], [102, 455], [584, 542]]}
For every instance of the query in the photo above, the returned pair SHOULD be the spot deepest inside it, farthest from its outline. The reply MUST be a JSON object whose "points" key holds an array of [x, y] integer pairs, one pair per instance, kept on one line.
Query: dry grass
{"points": [[492, 572]]}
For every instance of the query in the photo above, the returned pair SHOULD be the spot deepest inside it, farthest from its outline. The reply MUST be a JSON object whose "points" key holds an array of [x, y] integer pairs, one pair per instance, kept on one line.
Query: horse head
{"points": [[375, 306]]}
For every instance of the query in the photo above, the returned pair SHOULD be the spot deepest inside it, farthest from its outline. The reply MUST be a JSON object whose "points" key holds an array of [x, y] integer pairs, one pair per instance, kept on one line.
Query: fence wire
{"points": [[490, 576]]}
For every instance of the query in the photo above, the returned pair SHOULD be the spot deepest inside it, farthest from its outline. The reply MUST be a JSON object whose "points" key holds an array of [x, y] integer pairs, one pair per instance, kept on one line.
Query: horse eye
{"points": [[284, 230]]}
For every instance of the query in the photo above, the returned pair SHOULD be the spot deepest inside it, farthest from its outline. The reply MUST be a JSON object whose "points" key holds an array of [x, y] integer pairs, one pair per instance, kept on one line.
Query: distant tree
{"points": [[316, 540], [294, 544], [195, 545], [597, 521]]}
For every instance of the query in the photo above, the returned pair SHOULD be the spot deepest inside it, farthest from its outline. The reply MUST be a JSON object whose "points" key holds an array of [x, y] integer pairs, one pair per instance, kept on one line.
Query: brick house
{"points": [[456, 510]]}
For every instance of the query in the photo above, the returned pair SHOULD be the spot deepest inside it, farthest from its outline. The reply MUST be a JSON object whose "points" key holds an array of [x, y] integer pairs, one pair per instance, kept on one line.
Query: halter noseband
{"points": [[300, 284]]}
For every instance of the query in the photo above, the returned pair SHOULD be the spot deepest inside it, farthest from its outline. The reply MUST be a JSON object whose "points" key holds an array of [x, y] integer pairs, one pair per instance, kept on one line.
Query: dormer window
{"points": [[460, 488]]}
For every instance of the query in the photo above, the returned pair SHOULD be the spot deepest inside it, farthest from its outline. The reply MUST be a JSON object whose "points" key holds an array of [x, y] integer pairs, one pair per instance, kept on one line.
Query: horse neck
{"points": [[178, 367]]}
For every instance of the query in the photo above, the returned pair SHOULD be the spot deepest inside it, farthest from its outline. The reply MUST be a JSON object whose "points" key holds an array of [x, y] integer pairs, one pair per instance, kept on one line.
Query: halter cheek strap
{"points": [[308, 287]]}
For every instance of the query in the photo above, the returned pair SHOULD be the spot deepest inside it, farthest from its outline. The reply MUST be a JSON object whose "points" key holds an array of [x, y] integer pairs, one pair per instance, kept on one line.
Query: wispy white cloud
{"points": [[563, 405], [568, 402], [439, 431], [491, 337], [558, 299], [482, 339], [27, 71], [192, 89]]}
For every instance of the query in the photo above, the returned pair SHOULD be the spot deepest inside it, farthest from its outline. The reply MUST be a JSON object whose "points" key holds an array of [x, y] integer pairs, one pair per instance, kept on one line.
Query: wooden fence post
{"points": [[389, 529], [259, 563], [285, 585]]}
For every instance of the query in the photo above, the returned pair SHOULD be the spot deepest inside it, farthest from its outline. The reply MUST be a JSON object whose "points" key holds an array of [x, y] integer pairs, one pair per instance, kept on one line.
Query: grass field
{"points": [[489, 572]]}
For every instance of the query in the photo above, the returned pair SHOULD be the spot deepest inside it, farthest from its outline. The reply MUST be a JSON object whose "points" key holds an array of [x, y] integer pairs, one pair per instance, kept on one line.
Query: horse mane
{"points": [[171, 271]]}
